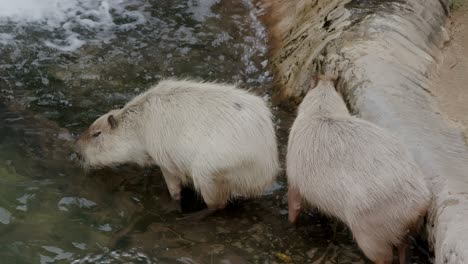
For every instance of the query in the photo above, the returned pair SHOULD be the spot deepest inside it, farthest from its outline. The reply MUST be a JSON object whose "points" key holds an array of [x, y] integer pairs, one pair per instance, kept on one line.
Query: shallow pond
{"points": [[63, 64]]}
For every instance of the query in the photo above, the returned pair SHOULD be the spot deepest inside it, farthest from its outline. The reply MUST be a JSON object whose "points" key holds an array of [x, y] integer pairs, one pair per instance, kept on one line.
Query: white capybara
{"points": [[353, 170], [215, 136]]}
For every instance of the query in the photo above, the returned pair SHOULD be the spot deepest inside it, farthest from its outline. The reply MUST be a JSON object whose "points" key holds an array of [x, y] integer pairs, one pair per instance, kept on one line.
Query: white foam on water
{"points": [[24, 10], [201, 9], [6, 38], [70, 17]]}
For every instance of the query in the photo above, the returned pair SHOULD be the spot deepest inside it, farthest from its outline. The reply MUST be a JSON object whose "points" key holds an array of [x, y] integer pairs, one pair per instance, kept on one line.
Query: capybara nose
{"points": [[77, 146]]}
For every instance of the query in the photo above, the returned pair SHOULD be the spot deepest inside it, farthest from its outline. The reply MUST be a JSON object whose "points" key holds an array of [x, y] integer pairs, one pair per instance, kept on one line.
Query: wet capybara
{"points": [[353, 170], [215, 136]]}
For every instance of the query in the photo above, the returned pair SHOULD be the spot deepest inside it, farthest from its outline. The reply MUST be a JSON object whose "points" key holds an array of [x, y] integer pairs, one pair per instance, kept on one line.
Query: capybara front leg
{"points": [[174, 186]]}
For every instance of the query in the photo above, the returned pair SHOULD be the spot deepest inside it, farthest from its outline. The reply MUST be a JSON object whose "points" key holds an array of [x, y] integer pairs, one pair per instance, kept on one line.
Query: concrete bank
{"points": [[384, 52]]}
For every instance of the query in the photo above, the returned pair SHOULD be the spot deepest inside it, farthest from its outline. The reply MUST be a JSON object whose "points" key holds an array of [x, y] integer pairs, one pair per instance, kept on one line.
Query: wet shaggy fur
{"points": [[215, 136], [355, 171]]}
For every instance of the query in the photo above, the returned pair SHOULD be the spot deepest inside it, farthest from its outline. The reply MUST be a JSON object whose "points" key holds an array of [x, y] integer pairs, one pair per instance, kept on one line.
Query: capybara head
{"points": [[294, 204], [109, 141]]}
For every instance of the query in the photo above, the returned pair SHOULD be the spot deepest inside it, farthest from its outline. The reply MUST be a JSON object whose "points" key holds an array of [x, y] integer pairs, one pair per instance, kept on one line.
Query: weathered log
{"points": [[384, 52]]}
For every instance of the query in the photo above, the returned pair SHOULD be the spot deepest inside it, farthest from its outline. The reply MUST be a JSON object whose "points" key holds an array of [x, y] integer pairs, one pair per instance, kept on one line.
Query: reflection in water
{"points": [[70, 61]]}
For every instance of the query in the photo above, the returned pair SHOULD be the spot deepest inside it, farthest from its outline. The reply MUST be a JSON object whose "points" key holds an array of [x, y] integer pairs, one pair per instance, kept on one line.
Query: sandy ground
{"points": [[450, 81]]}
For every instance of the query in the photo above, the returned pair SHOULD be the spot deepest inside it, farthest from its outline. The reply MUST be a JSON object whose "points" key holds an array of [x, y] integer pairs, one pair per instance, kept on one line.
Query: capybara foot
{"points": [[173, 206]]}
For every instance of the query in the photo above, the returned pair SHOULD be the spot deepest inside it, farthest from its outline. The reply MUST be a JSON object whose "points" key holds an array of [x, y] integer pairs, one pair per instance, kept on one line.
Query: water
{"points": [[79, 59], [63, 64]]}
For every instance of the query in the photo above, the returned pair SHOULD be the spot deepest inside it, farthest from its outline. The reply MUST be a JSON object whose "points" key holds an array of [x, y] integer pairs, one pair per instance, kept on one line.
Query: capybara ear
{"points": [[314, 80], [317, 77], [328, 78], [336, 80], [112, 121]]}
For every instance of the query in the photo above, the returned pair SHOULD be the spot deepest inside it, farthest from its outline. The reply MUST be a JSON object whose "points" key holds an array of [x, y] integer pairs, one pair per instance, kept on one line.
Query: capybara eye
{"points": [[97, 134]]}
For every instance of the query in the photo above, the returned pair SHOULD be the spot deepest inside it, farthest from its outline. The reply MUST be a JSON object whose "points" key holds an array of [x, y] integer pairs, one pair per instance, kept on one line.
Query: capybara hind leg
{"points": [[402, 248], [174, 186], [380, 252], [215, 197], [294, 204]]}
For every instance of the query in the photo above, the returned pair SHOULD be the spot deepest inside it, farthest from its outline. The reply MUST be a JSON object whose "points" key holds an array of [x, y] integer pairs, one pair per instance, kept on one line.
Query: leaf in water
{"points": [[284, 257]]}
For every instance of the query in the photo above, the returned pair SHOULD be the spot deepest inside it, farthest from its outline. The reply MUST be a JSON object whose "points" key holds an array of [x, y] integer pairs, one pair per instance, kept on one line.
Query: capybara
{"points": [[215, 136], [355, 171]]}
